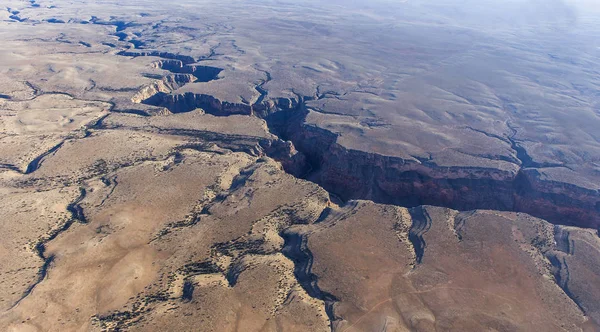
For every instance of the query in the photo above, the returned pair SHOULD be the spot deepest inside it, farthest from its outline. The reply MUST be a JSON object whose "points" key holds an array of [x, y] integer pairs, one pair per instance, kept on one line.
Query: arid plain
{"points": [[297, 166]]}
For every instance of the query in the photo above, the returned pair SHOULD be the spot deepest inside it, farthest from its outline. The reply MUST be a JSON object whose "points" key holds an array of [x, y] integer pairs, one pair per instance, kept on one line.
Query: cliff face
{"points": [[291, 160], [152, 93], [165, 55], [557, 202], [202, 73], [189, 101], [352, 174]]}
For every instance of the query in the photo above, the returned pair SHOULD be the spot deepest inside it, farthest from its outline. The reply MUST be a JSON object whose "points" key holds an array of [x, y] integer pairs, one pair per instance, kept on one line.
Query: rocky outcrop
{"points": [[166, 85], [291, 160]]}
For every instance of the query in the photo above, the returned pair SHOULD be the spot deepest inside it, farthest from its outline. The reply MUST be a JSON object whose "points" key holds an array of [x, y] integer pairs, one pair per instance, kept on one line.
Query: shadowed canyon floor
{"points": [[294, 166]]}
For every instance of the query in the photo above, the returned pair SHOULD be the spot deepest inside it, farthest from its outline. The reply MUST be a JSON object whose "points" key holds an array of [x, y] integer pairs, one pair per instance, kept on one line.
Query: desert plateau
{"points": [[297, 165]]}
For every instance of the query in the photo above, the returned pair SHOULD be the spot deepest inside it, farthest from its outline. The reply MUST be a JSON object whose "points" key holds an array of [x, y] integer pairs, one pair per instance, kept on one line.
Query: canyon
{"points": [[353, 174], [181, 170]]}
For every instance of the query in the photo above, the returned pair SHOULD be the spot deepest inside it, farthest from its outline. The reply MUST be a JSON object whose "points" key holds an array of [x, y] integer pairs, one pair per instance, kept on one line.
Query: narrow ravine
{"points": [[76, 211], [295, 248]]}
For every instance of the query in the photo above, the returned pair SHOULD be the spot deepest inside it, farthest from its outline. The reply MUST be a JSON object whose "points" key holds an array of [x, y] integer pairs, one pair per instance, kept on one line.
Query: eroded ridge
{"points": [[226, 266]]}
